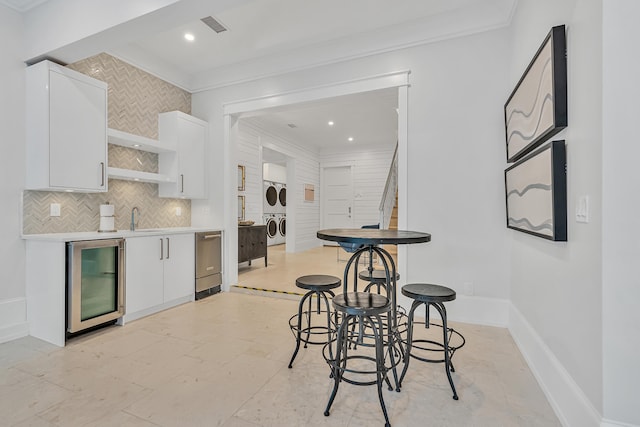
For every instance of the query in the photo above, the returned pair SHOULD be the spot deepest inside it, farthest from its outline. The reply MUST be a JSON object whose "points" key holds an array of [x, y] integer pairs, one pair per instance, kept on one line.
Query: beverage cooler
{"points": [[95, 283]]}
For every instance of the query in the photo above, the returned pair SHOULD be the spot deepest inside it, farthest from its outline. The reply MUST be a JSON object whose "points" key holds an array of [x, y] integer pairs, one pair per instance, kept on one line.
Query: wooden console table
{"points": [[252, 243]]}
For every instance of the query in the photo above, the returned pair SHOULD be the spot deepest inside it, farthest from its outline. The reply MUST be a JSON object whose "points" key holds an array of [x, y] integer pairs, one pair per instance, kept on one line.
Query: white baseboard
{"points": [[13, 319], [305, 245], [129, 317], [569, 402], [479, 310], [472, 309], [611, 423]]}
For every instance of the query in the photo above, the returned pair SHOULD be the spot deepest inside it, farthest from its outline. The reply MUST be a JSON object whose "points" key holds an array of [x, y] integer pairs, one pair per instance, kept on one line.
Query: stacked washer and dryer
{"points": [[275, 212]]}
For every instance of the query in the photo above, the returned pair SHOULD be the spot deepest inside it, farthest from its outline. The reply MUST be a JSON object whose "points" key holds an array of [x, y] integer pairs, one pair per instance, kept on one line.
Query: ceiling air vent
{"points": [[213, 24]]}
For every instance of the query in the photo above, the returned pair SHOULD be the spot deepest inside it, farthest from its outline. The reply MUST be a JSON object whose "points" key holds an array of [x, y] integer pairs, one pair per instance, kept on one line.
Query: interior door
{"points": [[337, 197]]}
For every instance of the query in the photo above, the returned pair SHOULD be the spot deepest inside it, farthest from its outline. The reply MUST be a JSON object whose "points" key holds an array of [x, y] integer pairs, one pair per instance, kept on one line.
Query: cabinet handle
{"points": [[182, 183], [168, 250], [161, 249], [102, 173]]}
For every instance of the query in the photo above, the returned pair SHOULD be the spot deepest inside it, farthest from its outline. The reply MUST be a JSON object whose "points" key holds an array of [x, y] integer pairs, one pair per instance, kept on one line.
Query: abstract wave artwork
{"points": [[536, 193], [537, 107]]}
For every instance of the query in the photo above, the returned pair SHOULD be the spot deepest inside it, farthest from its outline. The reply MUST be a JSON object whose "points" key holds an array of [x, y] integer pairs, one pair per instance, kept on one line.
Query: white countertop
{"points": [[94, 235]]}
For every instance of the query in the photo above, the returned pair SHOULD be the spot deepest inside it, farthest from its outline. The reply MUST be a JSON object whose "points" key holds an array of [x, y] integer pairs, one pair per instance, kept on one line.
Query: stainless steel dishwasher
{"points": [[208, 263]]}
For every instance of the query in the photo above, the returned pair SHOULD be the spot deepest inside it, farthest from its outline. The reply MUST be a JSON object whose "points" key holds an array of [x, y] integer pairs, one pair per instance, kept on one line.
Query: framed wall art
{"points": [[537, 108], [536, 192], [309, 193], [241, 177], [240, 208]]}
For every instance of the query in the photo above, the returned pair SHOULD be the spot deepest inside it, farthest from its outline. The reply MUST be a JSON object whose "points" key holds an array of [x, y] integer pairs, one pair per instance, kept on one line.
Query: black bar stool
{"points": [[363, 309], [430, 295], [376, 277], [319, 285]]}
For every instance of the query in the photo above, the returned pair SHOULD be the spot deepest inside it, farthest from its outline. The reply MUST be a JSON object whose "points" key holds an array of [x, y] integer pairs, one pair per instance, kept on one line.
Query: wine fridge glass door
{"points": [[95, 282]]}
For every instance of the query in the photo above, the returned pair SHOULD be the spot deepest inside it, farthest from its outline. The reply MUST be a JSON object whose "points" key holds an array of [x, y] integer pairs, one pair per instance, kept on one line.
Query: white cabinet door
{"points": [[144, 273], [179, 266], [191, 157], [78, 134], [66, 130], [188, 164]]}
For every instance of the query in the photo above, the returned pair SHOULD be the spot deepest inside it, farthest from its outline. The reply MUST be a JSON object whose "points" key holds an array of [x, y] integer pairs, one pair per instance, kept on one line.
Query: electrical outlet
{"points": [[54, 209], [468, 288], [178, 211]]}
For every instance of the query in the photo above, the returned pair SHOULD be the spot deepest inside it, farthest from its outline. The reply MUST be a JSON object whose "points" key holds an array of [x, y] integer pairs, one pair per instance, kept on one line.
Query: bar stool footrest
{"points": [[307, 333], [436, 346]]}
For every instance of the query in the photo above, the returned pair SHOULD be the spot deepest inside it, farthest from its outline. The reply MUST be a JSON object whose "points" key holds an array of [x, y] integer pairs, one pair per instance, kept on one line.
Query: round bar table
{"points": [[370, 238]]}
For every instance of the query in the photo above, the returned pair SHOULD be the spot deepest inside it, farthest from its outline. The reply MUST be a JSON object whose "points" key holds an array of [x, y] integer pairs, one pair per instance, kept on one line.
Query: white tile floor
{"points": [[222, 361]]}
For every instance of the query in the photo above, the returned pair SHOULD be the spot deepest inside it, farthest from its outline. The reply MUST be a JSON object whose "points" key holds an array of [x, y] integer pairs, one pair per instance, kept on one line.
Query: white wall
{"points": [[12, 170], [621, 204], [455, 165], [556, 289], [370, 170]]}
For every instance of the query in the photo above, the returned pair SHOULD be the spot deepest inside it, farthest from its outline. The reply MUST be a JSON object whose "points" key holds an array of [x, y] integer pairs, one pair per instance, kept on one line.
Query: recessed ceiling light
{"points": [[190, 37], [350, 138], [330, 123]]}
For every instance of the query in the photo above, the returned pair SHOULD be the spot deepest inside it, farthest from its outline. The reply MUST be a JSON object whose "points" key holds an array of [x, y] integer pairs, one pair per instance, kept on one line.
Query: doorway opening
{"points": [[310, 169]]}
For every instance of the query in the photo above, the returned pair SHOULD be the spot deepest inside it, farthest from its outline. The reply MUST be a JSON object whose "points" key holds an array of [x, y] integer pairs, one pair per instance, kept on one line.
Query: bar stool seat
{"points": [[364, 309], [318, 282], [377, 277], [430, 295], [425, 292], [318, 285]]}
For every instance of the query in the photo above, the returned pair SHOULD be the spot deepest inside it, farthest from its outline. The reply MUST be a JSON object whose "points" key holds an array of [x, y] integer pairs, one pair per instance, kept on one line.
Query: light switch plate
{"points": [[54, 209], [178, 211], [582, 209]]}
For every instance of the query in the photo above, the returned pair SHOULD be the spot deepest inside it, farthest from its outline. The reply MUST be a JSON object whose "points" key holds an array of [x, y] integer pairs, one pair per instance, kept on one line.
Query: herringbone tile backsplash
{"points": [[135, 100], [81, 211], [135, 96]]}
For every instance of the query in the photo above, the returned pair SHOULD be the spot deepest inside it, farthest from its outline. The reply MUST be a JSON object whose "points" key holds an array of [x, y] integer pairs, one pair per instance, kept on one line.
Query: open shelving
{"points": [[141, 143]]}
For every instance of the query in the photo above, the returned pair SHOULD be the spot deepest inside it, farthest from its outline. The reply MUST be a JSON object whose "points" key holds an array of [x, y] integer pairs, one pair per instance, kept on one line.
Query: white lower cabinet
{"points": [[160, 273]]}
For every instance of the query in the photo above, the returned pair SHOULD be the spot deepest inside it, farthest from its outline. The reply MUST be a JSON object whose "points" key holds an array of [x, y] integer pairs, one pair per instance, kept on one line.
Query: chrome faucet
{"points": [[133, 224]]}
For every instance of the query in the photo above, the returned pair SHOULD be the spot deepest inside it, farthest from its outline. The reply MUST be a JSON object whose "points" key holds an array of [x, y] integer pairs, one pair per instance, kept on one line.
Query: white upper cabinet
{"points": [[187, 164], [66, 130]]}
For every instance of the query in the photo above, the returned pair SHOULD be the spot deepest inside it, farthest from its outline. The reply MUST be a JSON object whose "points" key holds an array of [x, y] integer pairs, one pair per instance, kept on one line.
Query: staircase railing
{"points": [[389, 194]]}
